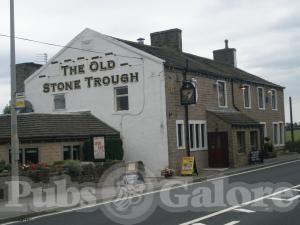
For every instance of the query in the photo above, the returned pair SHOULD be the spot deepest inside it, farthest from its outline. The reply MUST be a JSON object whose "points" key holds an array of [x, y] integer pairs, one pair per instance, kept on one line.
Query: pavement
{"points": [[153, 205]]}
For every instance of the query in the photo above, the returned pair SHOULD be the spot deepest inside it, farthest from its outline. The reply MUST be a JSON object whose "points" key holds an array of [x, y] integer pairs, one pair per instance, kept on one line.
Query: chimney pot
{"points": [[226, 43], [141, 40]]}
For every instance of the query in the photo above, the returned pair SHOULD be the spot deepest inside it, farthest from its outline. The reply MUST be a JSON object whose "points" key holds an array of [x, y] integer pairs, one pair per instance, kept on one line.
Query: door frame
{"points": [[226, 147]]}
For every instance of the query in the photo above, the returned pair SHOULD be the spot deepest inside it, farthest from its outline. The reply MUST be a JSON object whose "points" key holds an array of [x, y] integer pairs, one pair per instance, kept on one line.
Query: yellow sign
{"points": [[187, 167], [20, 101]]}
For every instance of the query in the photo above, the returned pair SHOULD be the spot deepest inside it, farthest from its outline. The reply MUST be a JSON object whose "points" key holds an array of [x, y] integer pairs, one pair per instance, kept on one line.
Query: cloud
{"points": [[265, 33]]}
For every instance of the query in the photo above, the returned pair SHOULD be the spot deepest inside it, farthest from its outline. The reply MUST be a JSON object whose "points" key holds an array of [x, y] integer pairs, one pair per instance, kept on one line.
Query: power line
{"points": [[64, 46]]}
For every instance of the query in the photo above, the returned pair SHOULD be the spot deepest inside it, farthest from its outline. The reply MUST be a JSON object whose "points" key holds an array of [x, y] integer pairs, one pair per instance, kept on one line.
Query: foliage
{"points": [[167, 172], [6, 109], [36, 172], [293, 147], [113, 149], [4, 167], [72, 168]]}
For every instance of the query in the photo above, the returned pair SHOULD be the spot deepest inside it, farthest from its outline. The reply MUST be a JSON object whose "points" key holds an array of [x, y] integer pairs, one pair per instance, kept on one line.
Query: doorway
{"points": [[218, 155]]}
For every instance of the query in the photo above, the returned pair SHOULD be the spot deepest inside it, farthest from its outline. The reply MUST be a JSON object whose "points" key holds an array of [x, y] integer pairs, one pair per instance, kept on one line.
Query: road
{"points": [[264, 196]]}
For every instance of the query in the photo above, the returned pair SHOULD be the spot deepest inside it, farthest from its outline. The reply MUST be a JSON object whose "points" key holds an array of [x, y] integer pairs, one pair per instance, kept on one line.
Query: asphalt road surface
{"points": [[268, 196]]}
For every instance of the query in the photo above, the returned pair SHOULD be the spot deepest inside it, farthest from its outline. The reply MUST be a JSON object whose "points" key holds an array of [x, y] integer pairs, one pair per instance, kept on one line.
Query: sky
{"points": [[266, 33]]}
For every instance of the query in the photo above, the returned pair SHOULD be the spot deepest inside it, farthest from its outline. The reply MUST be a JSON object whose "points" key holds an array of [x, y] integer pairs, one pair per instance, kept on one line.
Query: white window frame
{"points": [[265, 129], [249, 95], [200, 123], [225, 94], [181, 122], [282, 133], [276, 100], [278, 131], [115, 98], [263, 98]]}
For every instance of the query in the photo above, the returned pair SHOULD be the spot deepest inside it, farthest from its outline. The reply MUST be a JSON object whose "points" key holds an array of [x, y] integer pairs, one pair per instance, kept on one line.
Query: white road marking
{"points": [[232, 223], [198, 224], [286, 199], [244, 210], [237, 206], [296, 190], [154, 192]]}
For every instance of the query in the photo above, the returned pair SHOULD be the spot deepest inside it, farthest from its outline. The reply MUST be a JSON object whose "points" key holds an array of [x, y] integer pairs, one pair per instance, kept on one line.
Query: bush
{"points": [[293, 147], [72, 168], [37, 172]]}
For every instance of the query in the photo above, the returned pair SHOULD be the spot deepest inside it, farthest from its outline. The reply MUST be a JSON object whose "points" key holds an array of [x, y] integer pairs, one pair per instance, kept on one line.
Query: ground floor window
{"points": [[71, 152], [197, 134], [27, 156], [278, 134], [241, 141], [254, 140]]}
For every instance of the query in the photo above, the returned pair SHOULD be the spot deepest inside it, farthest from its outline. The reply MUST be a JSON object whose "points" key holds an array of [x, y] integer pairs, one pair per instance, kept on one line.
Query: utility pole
{"points": [[292, 121], [186, 115], [14, 126]]}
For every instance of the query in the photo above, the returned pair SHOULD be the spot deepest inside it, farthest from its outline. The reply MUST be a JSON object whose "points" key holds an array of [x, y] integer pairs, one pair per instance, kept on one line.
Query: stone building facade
{"points": [[233, 113]]}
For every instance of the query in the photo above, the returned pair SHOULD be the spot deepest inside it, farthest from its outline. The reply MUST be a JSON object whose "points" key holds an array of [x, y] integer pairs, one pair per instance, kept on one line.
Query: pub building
{"points": [[135, 89]]}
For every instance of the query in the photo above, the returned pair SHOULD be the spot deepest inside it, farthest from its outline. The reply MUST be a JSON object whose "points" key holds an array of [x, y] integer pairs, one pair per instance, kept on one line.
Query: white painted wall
{"points": [[143, 128]]}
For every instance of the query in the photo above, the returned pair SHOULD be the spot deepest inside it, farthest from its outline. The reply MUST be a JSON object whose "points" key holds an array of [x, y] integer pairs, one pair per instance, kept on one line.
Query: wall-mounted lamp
{"points": [[243, 87], [269, 92]]}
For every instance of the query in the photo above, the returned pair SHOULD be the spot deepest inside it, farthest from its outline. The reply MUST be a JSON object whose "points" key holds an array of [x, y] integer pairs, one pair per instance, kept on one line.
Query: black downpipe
{"points": [[232, 95]]}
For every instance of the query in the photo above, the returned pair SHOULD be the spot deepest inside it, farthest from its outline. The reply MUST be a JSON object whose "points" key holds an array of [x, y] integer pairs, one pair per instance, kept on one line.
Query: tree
{"points": [[6, 109]]}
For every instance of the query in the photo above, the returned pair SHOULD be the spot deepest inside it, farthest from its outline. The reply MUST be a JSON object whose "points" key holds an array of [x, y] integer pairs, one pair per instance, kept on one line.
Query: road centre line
{"points": [[237, 206], [157, 191], [244, 210], [232, 223]]}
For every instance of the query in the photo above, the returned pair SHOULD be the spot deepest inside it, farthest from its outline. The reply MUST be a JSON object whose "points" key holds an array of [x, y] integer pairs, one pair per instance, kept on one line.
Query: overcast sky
{"points": [[266, 33]]}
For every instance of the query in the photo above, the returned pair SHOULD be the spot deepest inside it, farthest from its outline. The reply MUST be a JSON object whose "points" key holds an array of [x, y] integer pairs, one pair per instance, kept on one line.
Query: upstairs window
{"points": [[121, 98], [59, 102], [261, 98], [247, 96], [274, 99], [222, 93]]}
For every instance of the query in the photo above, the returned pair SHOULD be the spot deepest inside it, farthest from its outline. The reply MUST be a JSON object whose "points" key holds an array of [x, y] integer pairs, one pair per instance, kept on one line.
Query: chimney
{"points": [[226, 55], [141, 40], [168, 39]]}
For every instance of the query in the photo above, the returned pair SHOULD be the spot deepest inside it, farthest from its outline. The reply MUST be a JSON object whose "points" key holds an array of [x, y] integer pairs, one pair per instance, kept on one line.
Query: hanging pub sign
{"points": [[188, 93], [99, 148]]}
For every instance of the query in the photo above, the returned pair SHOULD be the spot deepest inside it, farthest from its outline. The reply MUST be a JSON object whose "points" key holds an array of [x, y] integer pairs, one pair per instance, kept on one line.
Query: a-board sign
{"points": [[187, 167]]}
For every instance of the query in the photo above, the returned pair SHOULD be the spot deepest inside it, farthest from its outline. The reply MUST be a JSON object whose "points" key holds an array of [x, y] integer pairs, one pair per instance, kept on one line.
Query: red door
{"points": [[218, 150]]}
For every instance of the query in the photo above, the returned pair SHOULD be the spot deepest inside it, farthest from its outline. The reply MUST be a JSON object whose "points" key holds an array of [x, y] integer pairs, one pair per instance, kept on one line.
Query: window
{"points": [[253, 140], [59, 102], [198, 135], [278, 133], [71, 152], [27, 156], [247, 96], [274, 99], [241, 141], [180, 134], [261, 98], [222, 96], [265, 131], [121, 98], [31, 155]]}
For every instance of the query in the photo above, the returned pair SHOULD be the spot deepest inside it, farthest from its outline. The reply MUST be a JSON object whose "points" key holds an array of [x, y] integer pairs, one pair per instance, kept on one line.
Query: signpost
{"points": [[99, 148], [20, 100]]}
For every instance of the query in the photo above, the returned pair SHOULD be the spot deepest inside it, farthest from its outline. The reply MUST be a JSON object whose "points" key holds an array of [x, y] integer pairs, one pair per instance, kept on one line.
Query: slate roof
{"points": [[23, 71], [199, 64], [47, 127], [235, 118]]}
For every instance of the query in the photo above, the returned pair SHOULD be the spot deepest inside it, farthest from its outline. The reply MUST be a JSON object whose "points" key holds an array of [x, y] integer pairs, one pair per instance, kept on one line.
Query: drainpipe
{"points": [[232, 94]]}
